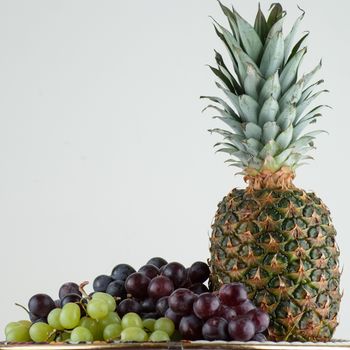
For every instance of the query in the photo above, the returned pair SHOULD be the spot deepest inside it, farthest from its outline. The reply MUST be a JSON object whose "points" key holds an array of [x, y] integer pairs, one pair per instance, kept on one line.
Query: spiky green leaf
{"points": [[268, 111], [272, 58]]}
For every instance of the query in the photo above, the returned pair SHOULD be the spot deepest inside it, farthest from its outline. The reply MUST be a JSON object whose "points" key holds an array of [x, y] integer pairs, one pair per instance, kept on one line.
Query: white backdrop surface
{"points": [[104, 153]]}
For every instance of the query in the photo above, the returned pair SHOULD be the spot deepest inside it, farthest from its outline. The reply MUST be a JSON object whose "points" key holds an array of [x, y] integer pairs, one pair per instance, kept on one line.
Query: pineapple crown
{"points": [[267, 102]]}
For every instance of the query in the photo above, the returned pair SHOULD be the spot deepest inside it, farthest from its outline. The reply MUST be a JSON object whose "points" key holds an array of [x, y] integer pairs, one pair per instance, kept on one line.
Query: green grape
{"points": [[131, 319], [17, 333], [53, 319], [133, 334], [70, 315], [81, 334], [112, 317], [63, 337], [165, 324], [112, 331], [41, 332], [158, 336], [92, 325], [107, 298], [148, 324], [97, 309], [10, 326], [26, 323]]}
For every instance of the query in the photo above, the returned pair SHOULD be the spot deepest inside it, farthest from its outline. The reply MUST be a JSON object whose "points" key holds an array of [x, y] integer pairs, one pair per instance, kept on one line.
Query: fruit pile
{"points": [[160, 302]]}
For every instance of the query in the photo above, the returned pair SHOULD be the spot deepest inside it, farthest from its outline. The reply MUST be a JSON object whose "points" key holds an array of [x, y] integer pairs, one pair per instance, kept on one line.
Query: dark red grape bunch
{"points": [[224, 315]]}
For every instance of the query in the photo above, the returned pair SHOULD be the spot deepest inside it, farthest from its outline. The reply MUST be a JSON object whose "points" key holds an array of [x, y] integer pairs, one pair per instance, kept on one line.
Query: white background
{"points": [[104, 153]]}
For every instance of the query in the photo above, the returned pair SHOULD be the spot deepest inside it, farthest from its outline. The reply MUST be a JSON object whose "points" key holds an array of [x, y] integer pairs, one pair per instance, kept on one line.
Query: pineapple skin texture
{"points": [[281, 245]]}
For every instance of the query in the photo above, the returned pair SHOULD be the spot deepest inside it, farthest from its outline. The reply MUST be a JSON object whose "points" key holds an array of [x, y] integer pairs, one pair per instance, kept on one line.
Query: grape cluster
{"points": [[224, 315]]}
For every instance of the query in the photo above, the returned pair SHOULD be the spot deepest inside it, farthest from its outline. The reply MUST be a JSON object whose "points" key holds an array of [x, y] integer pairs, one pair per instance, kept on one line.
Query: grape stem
{"points": [[23, 307], [82, 290]]}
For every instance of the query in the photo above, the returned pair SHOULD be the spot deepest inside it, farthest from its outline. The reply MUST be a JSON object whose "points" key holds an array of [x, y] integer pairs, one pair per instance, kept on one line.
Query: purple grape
{"points": [[233, 294], [70, 298], [162, 305], [148, 305], [101, 283], [117, 289], [157, 261], [173, 316], [41, 304], [122, 271], [198, 272], [241, 329], [244, 308], [215, 329], [176, 272], [149, 270], [68, 288], [154, 315], [190, 328], [206, 306], [136, 285], [259, 337], [260, 319], [58, 303], [160, 286], [199, 288], [227, 313], [129, 305], [181, 301]]}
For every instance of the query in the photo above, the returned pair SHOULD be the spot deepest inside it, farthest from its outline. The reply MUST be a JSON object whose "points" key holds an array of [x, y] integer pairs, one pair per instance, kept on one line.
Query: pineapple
{"points": [[274, 237]]}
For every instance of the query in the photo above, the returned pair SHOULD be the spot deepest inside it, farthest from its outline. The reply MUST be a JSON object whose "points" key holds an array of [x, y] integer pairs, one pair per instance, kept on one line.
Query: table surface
{"points": [[184, 345]]}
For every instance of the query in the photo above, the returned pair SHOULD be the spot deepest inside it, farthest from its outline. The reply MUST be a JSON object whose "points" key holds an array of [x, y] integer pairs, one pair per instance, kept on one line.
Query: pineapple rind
{"points": [[281, 244]]}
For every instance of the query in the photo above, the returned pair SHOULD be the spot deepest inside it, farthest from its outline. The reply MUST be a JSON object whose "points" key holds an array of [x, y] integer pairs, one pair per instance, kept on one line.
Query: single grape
{"points": [[136, 284], [92, 325], [68, 288], [181, 301], [148, 305], [107, 298], [122, 271], [233, 294], [160, 286], [259, 337], [111, 318], [117, 289], [129, 305], [227, 313], [190, 328], [112, 331], [215, 329], [173, 316], [53, 319], [199, 288], [176, 272], [97, 308], [41, 304], [81, 334], [260, 319], [135, 334], [162, 305], [41, 332], [150, 271], [131, 319], [70, 316], [206, 306], [12, 325], [244, 307], [241, 329], [157, 261], [159, 336], [70, 298], [17, 333], [198, 272], [165, 324], [101, 283], [148, 324]]}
